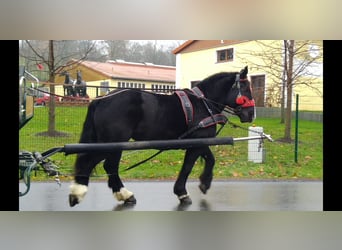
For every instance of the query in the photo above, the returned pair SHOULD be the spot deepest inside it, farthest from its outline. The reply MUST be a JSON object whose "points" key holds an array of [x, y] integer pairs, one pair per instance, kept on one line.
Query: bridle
{"points": [[241, 100]]}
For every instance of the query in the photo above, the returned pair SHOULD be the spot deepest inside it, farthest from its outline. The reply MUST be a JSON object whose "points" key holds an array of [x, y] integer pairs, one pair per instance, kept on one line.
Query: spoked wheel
{"points": [[27, 163]]}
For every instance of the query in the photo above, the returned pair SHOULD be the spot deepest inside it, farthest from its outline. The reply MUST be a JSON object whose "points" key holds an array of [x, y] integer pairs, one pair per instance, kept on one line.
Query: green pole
{"points": [[296, 131]]}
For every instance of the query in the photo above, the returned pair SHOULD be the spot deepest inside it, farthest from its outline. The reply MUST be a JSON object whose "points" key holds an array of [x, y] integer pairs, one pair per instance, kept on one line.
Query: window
{"points": [[225, 55], [104, 88], [194, 83]]}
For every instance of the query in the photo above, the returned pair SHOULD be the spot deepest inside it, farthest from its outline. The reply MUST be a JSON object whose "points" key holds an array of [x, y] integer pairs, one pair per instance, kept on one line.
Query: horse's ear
{"points": [[244, 72]]}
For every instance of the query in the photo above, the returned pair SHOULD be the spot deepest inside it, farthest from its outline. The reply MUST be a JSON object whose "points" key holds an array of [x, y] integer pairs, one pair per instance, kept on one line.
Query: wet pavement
{"points": [[158, 196]]}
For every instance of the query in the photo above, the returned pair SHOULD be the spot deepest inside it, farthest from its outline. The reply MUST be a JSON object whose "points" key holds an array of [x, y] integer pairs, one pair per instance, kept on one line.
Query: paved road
{"points": [[158, 196]]}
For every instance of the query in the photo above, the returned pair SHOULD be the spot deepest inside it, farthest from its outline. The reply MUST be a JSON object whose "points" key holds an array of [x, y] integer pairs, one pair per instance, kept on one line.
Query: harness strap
{"points": [[207, 122], [188, 110], [187, 106], [212, 120], [197, 92], [200, 94]]}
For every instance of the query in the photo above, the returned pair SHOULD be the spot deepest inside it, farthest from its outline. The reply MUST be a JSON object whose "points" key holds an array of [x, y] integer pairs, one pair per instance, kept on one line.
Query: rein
{"points": [[206, 122], [213, 119]]}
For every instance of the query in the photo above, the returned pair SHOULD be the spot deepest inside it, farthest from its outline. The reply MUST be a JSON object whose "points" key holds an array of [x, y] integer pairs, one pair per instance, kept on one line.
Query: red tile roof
{"points": [[182, 46], [136, 71]]}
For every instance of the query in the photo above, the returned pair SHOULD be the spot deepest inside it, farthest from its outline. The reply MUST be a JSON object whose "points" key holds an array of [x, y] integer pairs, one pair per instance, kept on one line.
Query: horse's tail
{"points": [[89, 134]]}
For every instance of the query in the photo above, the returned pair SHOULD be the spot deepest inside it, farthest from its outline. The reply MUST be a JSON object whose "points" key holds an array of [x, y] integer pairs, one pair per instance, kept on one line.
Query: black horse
{"points": [[140, 115], [68, 84], [80, 86]]}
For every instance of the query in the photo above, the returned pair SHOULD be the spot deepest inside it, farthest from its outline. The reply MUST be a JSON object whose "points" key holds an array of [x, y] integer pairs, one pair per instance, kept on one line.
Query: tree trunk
{"points": [[283, 85], [51, 63], [289, 84]]}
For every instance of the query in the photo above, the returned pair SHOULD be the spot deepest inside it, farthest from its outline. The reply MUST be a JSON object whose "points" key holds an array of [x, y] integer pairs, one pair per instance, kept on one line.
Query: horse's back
{"points": [[141, 115], [162, 118]]}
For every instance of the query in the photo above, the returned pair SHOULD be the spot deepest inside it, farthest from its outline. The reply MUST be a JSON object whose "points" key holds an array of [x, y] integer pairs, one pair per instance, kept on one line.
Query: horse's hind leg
{"points": [[111, 165], [84, 165], [207, 174]]}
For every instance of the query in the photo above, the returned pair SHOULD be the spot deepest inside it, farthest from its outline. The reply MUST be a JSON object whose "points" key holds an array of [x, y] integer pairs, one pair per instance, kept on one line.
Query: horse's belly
{"points": [[155, 132]]}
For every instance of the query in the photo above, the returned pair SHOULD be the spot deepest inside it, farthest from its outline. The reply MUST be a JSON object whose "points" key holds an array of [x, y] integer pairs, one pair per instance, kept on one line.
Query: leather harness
{"points": [[188, 111]]}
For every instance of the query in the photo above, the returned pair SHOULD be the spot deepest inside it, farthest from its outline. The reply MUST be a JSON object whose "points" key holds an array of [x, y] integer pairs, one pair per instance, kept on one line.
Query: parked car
{"points": [[45, 98]]}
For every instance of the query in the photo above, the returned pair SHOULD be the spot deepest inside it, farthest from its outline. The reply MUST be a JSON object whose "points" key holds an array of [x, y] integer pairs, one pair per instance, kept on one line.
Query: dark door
{"points": [[258, 88], [194, 83]]}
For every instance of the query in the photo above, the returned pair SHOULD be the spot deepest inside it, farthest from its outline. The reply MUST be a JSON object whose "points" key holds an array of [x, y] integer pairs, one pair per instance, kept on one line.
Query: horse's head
{"points": [[240, 98], [79, 76], [64, 73], [68, 79]]}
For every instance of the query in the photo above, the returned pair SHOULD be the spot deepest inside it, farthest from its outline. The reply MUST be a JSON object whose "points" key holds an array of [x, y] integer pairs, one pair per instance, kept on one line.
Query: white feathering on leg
{"points": [[123, 195], [78, 190]]}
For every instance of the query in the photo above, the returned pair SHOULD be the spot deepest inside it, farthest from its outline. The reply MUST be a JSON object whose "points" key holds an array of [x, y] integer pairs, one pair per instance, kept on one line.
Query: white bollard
{"points": [[256, 151]]}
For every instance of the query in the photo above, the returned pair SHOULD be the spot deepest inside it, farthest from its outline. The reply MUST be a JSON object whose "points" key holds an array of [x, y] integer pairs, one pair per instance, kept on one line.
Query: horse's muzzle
{"points": [[246, 114]]}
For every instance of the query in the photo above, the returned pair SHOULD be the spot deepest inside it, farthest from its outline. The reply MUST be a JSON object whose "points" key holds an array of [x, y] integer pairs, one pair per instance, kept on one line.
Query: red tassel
{"points": [[245, 101], [40, 66], [240, 100]]}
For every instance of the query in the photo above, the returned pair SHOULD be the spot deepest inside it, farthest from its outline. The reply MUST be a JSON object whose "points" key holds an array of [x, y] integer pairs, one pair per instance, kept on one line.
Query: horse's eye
{"points": [[238, 109]]}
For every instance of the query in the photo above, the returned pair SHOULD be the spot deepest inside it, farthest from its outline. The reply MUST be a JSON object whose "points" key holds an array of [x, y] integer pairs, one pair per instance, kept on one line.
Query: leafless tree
{"points": [[289, 63], [50, 56], [153, 51], [116, 49]]}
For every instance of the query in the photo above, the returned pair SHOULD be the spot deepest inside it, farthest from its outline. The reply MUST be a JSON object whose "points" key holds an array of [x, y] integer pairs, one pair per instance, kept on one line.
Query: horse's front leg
{"points": [[179, 189], [207, 174], [111, 165], [84, 165]]}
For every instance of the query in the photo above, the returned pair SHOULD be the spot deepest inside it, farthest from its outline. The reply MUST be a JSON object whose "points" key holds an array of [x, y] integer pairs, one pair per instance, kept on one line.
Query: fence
{"points": [[231, 161], [276, 113]]}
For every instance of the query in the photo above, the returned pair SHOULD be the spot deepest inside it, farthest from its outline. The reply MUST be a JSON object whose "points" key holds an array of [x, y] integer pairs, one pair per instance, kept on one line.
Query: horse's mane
{"points": [[215, 78], [218, 76]]}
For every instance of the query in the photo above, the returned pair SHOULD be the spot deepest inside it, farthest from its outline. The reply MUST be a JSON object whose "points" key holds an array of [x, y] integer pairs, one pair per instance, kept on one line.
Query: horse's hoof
{"points": [[203, 188], [185, 200], [73, 200], [130, 201]]}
